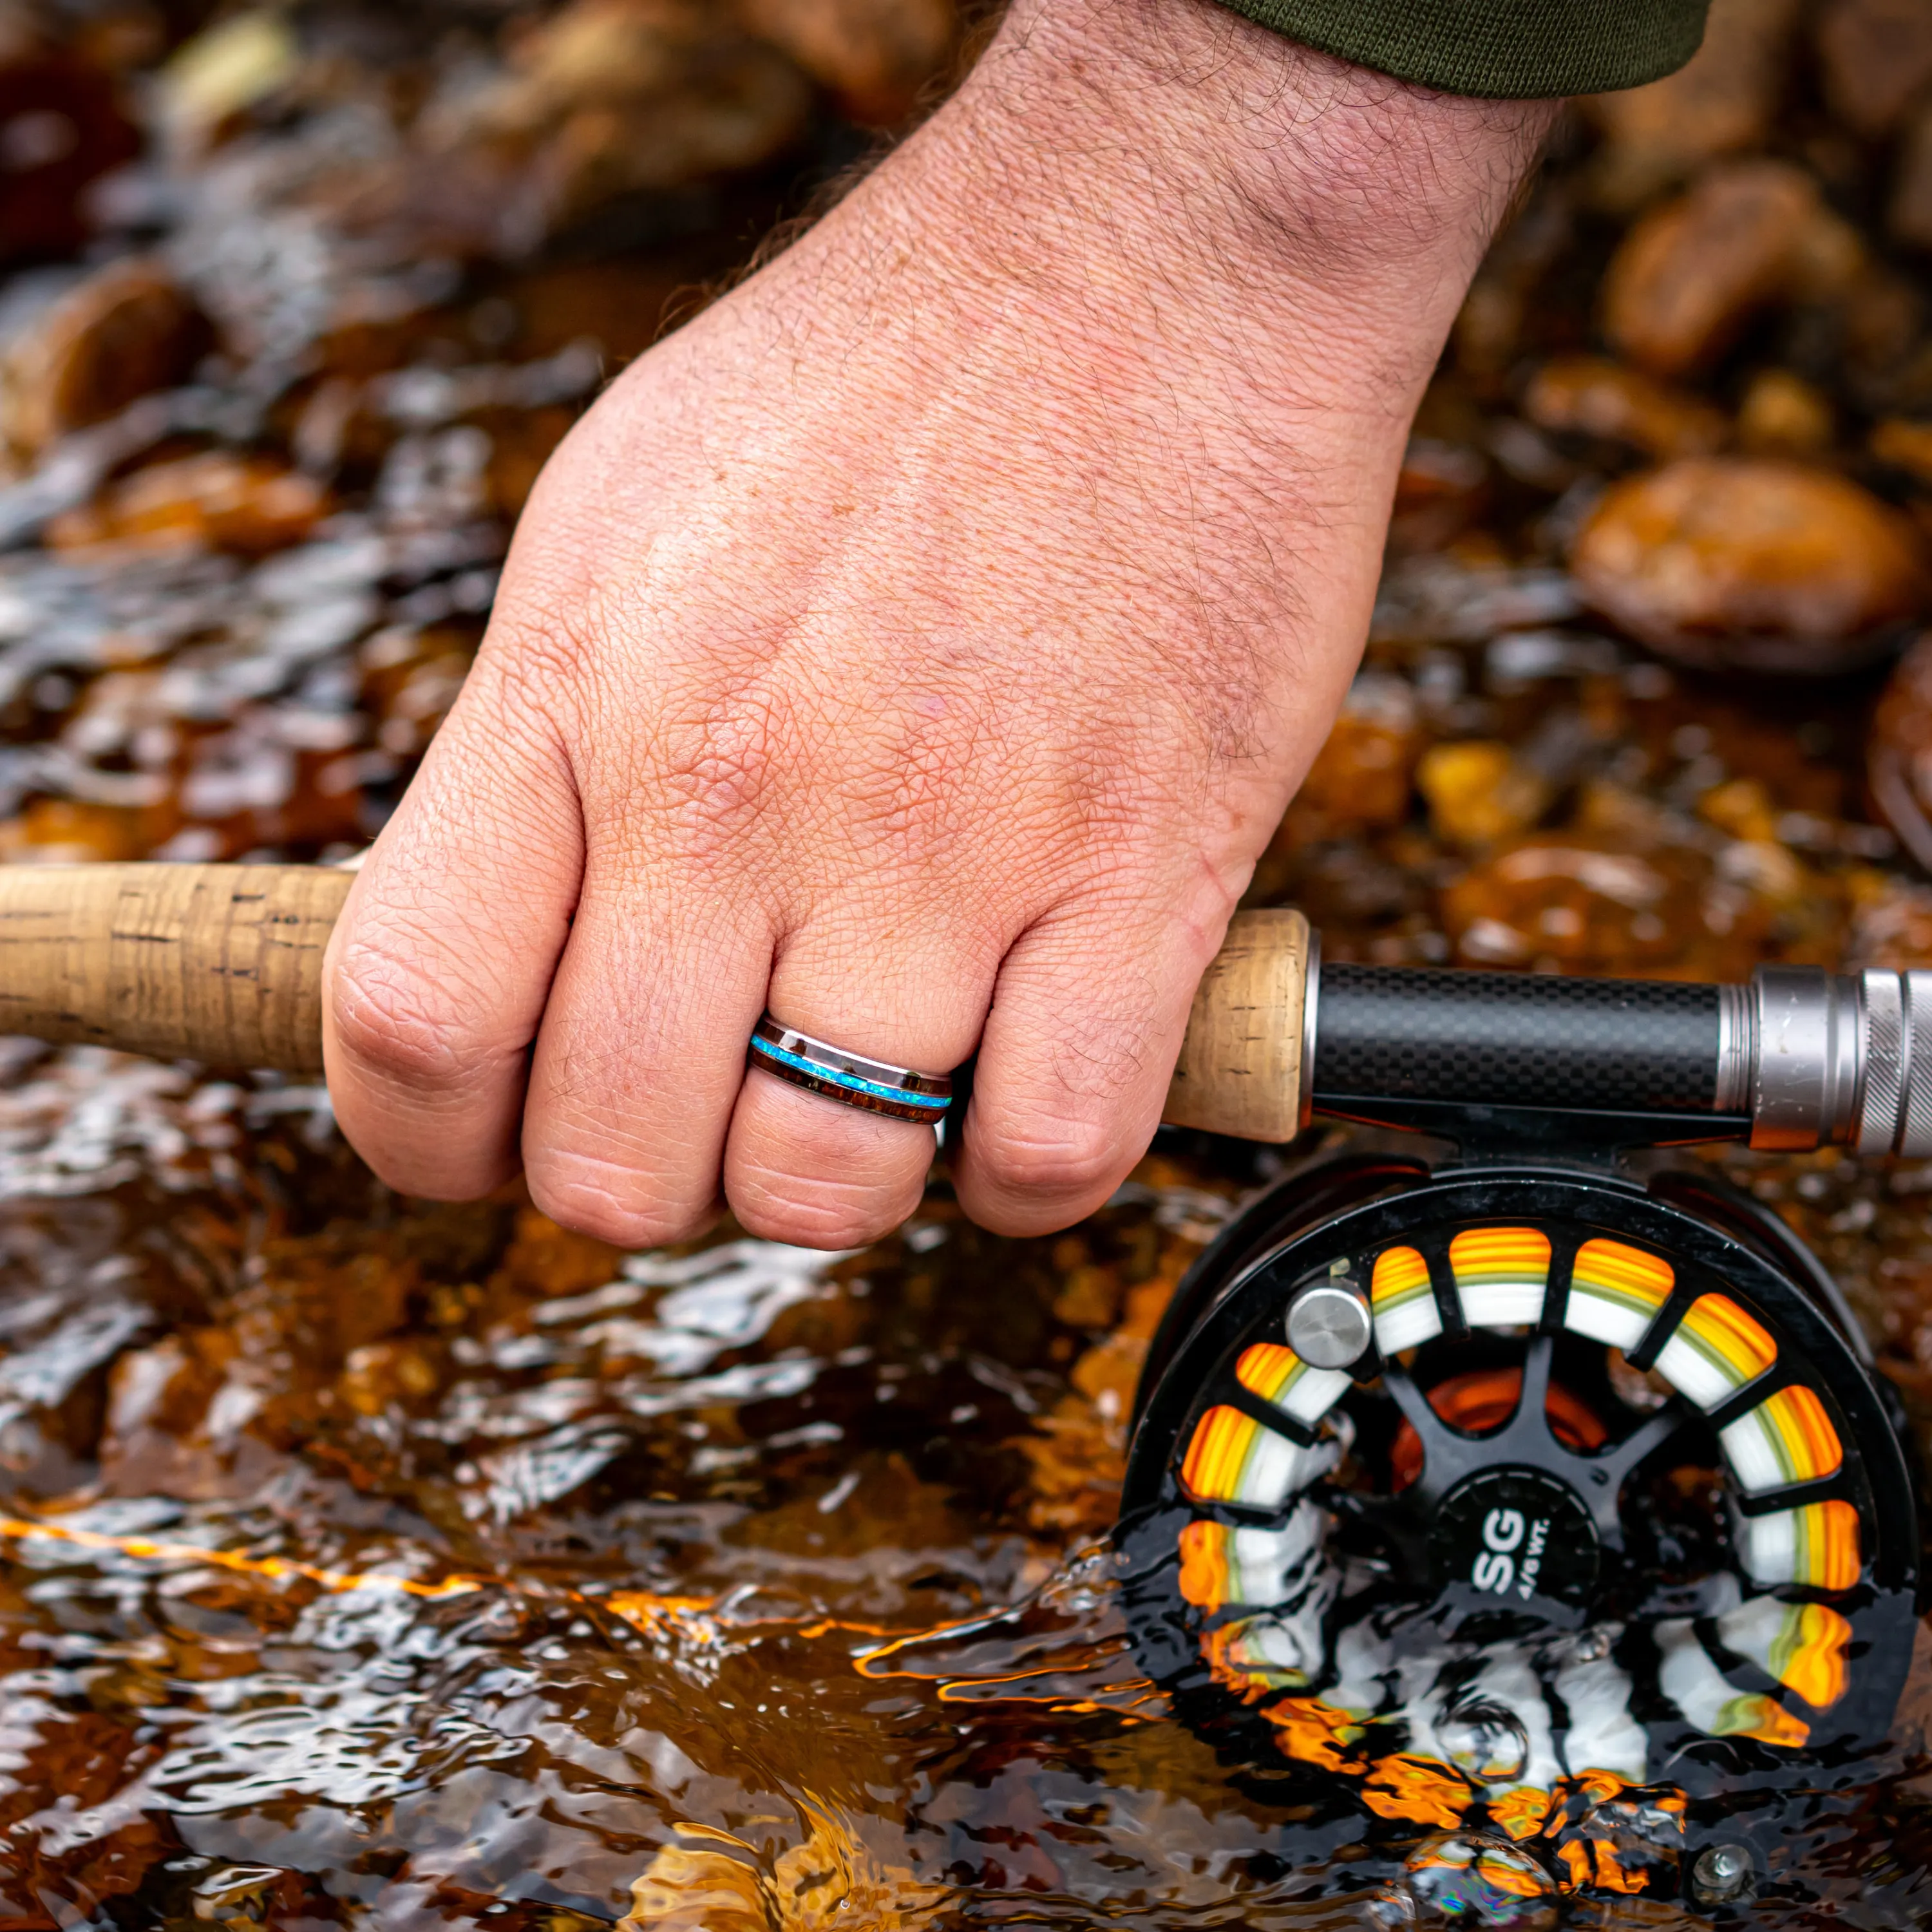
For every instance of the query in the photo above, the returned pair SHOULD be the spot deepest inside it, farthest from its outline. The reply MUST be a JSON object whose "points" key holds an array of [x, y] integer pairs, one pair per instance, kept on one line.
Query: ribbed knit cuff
{"points": [[1511, 49]]}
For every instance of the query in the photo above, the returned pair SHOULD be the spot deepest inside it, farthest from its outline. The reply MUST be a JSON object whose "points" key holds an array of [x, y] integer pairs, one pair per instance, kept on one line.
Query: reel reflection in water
{"points": [[1610, 1519]]}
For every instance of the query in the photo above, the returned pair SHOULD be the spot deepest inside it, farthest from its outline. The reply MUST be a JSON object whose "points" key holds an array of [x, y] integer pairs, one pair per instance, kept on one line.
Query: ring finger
{"points": [[802, 1167]]}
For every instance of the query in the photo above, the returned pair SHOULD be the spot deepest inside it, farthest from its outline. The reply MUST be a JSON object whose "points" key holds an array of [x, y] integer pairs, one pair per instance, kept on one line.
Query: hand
{"points": [[923, 643]]}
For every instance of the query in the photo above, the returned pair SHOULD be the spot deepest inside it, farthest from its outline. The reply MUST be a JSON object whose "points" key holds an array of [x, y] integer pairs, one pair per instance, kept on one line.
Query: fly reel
{"points": [[1509, 1506]]}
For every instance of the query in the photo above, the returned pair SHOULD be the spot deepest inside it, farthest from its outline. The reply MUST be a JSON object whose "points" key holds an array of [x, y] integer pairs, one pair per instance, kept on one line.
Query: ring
{"points": [[848, 1077]]}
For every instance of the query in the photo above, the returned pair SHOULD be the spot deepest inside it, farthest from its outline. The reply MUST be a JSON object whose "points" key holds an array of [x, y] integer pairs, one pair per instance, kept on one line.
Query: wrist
{"points": [[1188, 123]]}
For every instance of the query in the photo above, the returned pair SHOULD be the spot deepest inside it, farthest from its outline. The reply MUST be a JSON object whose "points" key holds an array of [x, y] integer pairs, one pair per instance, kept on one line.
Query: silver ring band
{"points": [[849, 1078]]}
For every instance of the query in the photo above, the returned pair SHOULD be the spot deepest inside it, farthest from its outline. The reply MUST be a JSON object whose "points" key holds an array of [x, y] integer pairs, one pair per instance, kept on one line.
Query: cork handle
{"points": [[222, 963], [1240, 1070]]}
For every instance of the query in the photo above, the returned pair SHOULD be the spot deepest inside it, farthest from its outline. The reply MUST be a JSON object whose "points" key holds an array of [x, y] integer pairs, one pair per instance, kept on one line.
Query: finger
{"points": [[438, 970], [1086, 1026], [887, 984], [642, 1052]]}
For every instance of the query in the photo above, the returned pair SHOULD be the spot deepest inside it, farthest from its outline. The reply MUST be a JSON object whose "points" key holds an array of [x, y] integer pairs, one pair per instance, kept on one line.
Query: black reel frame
{"points": [[1716, 1241]]}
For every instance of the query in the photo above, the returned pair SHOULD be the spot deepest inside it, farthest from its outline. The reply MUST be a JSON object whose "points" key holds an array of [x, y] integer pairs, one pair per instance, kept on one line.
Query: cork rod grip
{"points": [[222, 963], [1240, 1070]]}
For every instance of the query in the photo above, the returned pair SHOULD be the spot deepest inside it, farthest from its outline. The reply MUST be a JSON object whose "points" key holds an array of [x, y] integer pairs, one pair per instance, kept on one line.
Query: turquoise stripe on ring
{"points": [[849, 1078]]}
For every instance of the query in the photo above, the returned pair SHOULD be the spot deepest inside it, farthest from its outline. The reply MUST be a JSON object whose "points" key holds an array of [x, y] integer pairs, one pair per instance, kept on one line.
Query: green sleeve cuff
{"points": [[1513, 49]]}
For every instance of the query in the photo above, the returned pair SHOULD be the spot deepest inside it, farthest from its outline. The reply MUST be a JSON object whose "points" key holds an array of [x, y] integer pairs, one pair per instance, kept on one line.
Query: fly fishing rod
{"points": [[1503, 1496], [222, 964]]}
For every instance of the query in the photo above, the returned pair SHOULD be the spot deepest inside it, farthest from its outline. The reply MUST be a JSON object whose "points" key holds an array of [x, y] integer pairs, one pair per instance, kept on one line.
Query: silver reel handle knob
{"points": [[1329, 1325]]}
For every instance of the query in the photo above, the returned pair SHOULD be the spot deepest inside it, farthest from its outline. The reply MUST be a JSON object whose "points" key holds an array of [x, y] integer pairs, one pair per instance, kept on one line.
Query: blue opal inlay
{"points": [[853, 1082]]}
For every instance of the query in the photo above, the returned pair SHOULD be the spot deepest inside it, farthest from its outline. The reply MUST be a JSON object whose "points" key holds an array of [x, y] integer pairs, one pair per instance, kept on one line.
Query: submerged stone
{"points": [[1751, 561]]}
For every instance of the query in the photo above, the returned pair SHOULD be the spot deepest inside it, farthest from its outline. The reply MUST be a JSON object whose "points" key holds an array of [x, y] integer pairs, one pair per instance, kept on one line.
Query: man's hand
{"points": [[923, 644]]}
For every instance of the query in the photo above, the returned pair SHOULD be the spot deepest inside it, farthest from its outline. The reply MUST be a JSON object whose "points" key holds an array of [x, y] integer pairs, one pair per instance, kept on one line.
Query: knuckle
{"points": [[801, 1224], [818, 1214], [399, 1018], [581, 1196], [721, 763], [920, 786], [1061, 1159], [540, 641]]}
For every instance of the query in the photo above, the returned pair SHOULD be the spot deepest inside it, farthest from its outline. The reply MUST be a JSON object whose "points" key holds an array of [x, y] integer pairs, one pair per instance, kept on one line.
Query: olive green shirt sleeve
{"points": [[1518, 49]]}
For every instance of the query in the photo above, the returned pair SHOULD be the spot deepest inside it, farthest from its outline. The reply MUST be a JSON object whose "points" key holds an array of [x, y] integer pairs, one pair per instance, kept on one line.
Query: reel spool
{"points": [[1580, 1528]]}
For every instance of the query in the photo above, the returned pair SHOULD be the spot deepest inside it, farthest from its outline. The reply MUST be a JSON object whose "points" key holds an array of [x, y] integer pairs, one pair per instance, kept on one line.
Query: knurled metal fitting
{"points": [[1914, 1130], [1895, 1107], [1882, 1050]]}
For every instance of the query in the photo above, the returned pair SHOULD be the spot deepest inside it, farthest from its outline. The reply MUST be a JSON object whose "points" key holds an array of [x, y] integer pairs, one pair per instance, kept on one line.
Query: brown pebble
{"points": [[873, 55], [604, 99], [1875, 56], [1362, 776], [62, 127], [1572, 902], [217, 500], [1898, 751], [1721, 102], [1905, 445], [123, 333], [1782, 415], [65, 831], [1909, 216], [1750, 561], [1479, 792], [1597, 397], [1892, 926], [1692, 273]]}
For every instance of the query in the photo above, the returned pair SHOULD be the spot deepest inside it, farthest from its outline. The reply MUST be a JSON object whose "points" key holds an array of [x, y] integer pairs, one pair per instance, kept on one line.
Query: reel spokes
{"points": [[1519, 1516]]}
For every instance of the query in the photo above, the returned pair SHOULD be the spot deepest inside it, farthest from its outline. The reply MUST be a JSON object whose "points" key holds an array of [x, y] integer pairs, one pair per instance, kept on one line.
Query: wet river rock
{"points": [[1909, 218], [1875, 56], [1591, 396], [1781, 414], [1751, 562], [605, 99], [63, 126], [121, 334], [1898, 751], [249, 506], [1691, 274], [873, 55]]}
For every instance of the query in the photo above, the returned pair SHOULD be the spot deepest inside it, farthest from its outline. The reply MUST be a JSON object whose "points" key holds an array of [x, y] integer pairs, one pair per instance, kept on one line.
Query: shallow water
{"points": [[442, 1566]]}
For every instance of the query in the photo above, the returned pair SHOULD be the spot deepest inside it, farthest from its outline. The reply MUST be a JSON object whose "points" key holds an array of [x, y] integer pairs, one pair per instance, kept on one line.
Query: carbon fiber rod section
{"points": [[1517, 1040]]}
